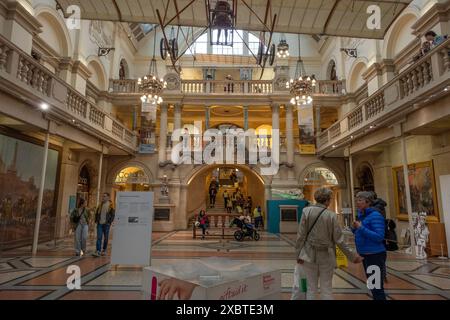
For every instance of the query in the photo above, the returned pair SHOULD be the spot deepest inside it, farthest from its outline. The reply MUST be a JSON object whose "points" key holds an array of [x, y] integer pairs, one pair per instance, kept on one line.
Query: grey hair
{"points": [[322, 195], [366, 195]]}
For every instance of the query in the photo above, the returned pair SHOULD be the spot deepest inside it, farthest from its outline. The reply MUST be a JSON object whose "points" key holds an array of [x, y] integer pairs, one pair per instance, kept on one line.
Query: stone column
{"points": [[207, 116], [177, 117], [290, 141], [317, 120], [289, 134], [99, 182], [275, 126], [162, 134], [245, 118]]}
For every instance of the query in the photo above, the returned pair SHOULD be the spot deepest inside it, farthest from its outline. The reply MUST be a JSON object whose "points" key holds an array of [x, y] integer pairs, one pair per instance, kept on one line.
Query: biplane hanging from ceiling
{"points": [[344, 18]]}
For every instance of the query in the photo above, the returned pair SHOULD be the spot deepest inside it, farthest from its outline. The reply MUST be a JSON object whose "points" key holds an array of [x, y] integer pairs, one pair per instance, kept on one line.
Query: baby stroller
{"points": [[246, 229]]}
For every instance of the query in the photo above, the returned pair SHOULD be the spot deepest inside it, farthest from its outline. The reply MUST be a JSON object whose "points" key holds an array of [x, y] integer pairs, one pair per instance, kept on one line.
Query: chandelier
{"points": [[151, 85], [302, 86], [283, 48]]}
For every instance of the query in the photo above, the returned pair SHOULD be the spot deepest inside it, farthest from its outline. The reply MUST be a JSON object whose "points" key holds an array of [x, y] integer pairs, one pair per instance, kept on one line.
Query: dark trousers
{"points": [[203, 227], [259, 222], [377, 259], [212, 200], [102, 232]]}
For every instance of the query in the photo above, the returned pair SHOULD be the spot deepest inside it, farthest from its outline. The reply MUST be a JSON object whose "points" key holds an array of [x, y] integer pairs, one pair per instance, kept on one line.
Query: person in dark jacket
{"points": [[391, 236], [104, 217], [379, 204], [369, 229]]}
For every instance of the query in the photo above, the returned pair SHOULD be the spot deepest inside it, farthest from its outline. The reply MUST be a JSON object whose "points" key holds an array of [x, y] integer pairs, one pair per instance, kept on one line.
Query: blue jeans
{"points": [[102, 232], [377, 259], [81, 235]]}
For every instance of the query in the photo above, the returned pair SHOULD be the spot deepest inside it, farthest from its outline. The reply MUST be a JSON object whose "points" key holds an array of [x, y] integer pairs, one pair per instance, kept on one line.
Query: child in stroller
{"points": [[247, 229]]}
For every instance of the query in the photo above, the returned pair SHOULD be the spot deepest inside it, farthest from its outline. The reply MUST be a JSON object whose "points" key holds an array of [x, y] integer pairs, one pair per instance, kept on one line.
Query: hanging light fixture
{"points": [[302, 86], [283, 48], [151, 85]]}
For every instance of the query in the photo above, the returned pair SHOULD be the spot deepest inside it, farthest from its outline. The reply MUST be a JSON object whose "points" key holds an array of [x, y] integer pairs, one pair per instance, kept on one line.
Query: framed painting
{"points": [[422, 190]]}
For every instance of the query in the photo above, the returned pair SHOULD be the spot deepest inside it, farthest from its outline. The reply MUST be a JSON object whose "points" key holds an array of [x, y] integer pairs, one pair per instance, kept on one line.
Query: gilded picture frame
{"points": [[422, 189]]}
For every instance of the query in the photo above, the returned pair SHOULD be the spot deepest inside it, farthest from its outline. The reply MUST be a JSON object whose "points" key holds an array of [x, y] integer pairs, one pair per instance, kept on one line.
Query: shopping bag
{"points": [[299, 286]]}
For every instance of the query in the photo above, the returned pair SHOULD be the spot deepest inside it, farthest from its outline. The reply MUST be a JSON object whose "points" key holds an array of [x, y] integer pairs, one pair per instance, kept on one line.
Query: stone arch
{"points": [[355, 79], [320, 174], [54, 30], [111, 177], [99, 76], [195, 184], [339, 176], [200, 169], [400, 33]]}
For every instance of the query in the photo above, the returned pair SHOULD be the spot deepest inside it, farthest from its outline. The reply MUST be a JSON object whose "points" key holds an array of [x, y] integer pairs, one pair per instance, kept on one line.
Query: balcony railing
{"points": [[430, 72], [195, 87], [23, 71]]}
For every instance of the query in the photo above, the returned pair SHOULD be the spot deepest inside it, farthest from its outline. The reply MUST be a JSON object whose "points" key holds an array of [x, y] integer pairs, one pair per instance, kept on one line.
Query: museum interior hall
{"points": [[164, 138]]}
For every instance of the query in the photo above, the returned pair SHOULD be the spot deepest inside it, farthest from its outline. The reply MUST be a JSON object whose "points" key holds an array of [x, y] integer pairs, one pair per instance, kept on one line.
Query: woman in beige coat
{"points": [[318, 235]]}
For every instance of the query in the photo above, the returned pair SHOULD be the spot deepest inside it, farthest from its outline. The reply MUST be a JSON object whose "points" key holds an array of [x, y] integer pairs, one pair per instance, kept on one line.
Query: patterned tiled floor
{"points": [[44, 276]]}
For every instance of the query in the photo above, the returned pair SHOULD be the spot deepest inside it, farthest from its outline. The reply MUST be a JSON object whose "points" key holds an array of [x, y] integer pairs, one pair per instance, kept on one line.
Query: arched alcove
{"points": [[98, 77], [355, 76]]}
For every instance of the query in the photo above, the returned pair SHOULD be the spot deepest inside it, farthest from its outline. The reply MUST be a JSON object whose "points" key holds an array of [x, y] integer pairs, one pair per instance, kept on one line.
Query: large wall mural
{"points": [[20, 178]]}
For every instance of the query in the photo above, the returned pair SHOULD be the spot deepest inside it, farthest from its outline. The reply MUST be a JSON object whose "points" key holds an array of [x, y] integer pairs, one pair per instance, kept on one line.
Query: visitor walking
{"points": [[104, 217], [80, 220], [318, 235]]}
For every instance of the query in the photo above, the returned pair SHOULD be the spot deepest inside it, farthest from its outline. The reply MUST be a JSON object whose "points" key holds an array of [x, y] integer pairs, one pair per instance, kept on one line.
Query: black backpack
{"points": [[390, 237]]}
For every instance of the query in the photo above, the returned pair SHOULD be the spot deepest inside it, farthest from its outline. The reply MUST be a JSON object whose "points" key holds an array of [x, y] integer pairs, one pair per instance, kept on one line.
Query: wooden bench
{"points": [[219, 226]]}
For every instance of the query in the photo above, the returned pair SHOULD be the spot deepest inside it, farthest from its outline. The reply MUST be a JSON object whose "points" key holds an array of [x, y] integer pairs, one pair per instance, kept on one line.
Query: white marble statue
{"points": [[165, 187], [421, 234]]}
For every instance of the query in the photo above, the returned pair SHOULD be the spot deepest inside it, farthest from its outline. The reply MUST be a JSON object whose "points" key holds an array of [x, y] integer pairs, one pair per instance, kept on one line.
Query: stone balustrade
{"points": [[19, 69], [237, 87], [431, 72]]}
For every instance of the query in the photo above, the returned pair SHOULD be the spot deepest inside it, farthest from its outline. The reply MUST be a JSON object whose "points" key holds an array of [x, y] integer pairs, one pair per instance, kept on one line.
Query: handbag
{"points": [[75, 217]]}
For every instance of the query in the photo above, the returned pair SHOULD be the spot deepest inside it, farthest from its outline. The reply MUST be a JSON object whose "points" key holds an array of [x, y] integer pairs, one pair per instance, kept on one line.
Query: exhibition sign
{"points": [[132, 230]]}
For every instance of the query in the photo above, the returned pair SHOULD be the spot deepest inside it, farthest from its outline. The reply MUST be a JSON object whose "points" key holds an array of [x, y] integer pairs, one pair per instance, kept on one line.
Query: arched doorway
{"points": [[84, 185], [319, 177], [364, 176], [232, 178], [131, 178]]}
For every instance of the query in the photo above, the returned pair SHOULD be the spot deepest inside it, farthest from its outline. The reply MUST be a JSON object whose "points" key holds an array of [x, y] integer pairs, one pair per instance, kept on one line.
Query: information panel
{"points": [[132, 230]]}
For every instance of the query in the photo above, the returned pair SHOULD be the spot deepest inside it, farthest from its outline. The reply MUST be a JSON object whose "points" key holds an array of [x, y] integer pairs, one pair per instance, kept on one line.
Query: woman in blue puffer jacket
{"points": [[369, 238]]}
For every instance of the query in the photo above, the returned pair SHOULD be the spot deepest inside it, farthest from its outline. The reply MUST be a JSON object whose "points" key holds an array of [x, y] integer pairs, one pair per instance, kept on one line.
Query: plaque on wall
{"points": [[289, 214], [162, 214]]}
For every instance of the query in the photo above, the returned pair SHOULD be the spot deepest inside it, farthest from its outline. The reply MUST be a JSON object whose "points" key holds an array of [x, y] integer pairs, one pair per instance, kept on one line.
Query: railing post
{"points": [[12, 65]]}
